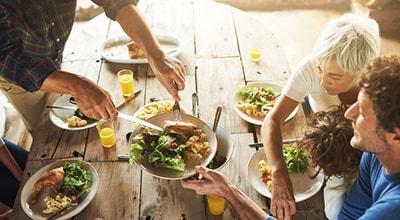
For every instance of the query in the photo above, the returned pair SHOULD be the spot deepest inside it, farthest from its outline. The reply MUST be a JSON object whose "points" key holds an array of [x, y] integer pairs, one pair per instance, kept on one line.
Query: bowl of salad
{"points": [[173, 153]]}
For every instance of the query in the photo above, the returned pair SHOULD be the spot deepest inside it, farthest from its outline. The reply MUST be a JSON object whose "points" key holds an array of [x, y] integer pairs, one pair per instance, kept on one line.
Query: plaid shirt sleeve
{"points": [[111, 7], [32, 38]]}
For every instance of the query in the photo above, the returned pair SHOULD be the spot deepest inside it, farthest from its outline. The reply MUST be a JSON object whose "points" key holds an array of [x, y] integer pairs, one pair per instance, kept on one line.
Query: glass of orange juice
{"points": [[105, 129], [125, 78], [255, 54], [216, 204]]}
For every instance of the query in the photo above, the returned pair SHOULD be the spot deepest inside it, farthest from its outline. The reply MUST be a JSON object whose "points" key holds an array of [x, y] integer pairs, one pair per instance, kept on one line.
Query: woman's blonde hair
{"points": [[352, 41]]}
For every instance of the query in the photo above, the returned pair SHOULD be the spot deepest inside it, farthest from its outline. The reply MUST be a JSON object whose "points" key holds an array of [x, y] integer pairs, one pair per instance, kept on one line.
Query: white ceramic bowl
{"points": [[224, 144]]}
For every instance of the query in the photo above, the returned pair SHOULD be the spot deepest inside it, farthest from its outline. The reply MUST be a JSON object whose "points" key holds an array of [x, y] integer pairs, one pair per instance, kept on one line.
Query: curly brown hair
{"points": [[381, 83], [327, 142]]}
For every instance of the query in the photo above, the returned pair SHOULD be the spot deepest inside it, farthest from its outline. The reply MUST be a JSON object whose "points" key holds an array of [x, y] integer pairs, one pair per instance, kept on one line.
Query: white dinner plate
{"points": [[304, 187], [59, 117], [116, 51], [257, 120], [35, 211]]}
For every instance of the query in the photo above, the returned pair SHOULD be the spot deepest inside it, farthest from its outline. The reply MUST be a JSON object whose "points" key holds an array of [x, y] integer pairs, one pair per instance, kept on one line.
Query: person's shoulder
{"points": [[306, 64]]}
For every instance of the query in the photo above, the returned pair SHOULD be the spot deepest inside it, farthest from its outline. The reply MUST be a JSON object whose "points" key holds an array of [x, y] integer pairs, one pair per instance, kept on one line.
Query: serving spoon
{"points": [[216, 118]]}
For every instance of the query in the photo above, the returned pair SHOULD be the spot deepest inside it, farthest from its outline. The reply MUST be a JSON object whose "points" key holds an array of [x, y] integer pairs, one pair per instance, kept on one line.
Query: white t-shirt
{"points": [[305, 80]]}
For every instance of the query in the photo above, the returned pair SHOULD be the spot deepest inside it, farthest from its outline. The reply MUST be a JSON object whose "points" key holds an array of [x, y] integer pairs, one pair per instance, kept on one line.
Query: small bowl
{"points": [[224, 144]]}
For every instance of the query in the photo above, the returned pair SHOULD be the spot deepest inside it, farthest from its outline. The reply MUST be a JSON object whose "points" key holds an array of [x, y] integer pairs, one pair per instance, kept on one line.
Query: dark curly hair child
{"points": [[327, 142]]}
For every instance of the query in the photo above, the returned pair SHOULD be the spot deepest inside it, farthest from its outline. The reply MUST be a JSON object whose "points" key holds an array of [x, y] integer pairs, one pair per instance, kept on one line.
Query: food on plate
{"points": [[54, 205], [257, 101], [53, 178], [265, 174], [183, 128], [75, 121], [169, 150], [216, 162], [77, 179], [155, 108], [296, 161], [69, 182], [197, 147], [134, 50], [79, 120]]}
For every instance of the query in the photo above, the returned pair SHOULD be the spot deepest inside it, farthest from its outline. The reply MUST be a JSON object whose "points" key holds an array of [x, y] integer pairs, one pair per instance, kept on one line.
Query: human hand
{"points": [[171, 73], [92, 100], [95, 102], [6, 215], [283, 205], [211, 183]]}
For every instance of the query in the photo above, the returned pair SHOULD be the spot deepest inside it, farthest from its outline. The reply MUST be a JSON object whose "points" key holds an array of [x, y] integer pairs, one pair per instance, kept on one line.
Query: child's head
{"points": [[327, 142], [352, 41]]}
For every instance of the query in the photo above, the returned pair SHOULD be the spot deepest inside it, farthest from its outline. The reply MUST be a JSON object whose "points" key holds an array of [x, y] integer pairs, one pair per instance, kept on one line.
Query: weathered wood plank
{"points": [[159, 196], [215, 35], [85, 44], [217, 80], [120, 186], [251, 33], [238, 164]]}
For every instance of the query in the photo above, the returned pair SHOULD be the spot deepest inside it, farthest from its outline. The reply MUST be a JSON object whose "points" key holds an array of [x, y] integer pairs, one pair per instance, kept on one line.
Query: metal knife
{"points": [[127, 99], [139, 121], [62, 107]]}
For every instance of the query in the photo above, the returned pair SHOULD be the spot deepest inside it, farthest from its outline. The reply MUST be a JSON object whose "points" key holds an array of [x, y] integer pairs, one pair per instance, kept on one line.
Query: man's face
{"points": [[366, 135]]}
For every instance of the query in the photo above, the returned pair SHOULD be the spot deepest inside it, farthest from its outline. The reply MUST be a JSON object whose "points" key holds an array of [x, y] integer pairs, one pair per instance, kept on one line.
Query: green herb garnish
{"points": [[76, 179], [296, 159]]}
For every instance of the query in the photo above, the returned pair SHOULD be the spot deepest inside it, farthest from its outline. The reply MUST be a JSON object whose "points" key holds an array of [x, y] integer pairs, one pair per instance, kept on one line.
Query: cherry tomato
{"points": [[174, 145], [271, 97], [265, 179]]}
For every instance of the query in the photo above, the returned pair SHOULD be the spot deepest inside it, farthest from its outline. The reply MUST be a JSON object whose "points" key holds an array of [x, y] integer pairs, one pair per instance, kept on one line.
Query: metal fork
{"points": [[176, 109]]}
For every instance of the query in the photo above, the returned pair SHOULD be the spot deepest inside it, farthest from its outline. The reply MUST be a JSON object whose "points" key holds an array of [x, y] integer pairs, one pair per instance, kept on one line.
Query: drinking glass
{"points": [[105, 129], [125, 78], [255, 55], [216, 204]]}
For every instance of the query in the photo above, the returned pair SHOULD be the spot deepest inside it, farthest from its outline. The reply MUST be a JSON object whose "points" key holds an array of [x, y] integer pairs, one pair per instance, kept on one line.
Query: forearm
{"points": [[8, 160], [135, 26], [244, 206], [65, 83], [272, 140]]}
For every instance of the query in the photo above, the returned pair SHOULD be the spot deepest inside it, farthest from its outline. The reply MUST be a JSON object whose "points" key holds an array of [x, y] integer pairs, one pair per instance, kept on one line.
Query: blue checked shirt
{"points": [[33, 35]]}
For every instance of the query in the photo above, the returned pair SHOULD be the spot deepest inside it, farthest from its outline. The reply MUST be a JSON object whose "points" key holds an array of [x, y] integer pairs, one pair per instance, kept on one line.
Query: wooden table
{"points": [[216, 41]]}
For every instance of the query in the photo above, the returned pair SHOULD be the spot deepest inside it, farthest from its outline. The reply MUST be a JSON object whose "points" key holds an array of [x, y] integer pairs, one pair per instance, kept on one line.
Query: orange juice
{"points": [[255, 55], [126, 84], [107, 137], [216, 204], [125, 78]]}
